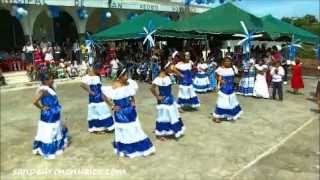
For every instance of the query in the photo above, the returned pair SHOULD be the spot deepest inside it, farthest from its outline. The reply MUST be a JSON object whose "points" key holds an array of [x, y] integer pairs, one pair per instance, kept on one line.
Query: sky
{"points": [[279, 8]]}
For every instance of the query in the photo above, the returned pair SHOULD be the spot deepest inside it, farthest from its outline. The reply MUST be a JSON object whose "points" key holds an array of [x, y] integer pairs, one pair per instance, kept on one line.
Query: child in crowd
{"points": [[277, 73]]}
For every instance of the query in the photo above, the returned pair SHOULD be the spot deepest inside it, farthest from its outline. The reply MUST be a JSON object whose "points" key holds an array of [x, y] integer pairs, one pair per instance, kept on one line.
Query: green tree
{"points": [[308, 22]]}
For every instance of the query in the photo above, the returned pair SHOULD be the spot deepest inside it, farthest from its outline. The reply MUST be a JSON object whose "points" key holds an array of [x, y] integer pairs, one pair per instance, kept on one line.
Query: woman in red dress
{"points": [[37, 56], [296, 79]]}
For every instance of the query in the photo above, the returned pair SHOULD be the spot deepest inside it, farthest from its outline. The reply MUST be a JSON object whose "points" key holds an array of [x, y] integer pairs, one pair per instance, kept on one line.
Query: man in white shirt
{"points": [[76, 51], [43, 44], [277, 73], [28, 55], [114, 66]]}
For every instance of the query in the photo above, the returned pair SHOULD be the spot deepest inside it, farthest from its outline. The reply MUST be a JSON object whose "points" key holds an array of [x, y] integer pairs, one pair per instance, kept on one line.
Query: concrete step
{"points": [[14, 73], [19, 77], [33, 84]]}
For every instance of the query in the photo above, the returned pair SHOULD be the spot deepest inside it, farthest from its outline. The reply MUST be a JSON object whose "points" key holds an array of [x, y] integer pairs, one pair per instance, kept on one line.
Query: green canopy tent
{"points": [[224, 19], [276, 28], [133, 29]]}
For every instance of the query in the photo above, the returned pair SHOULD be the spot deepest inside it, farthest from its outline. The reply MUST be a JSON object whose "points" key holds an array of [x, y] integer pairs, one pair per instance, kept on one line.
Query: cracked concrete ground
{"points": [[207, 151]]}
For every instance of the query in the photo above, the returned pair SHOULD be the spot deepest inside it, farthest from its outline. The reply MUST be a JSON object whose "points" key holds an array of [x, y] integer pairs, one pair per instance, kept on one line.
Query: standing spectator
{"points": [[43, 44], [86, 56], [268, 61], [114, 66], [285, 61], [277, 74], [211, 73], [296, 79], [57, 53], [83, 50], [155, 68], [229, 53], [37, 56], [28, 54], [48, 54], [91, 54], [76, 52], [142, 71], [276, 55], [67, 47], [16, 61]]}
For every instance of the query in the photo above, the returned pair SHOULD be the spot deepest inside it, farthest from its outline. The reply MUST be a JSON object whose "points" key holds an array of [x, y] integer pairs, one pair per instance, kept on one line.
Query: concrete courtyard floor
{"points": [[272, 140]]}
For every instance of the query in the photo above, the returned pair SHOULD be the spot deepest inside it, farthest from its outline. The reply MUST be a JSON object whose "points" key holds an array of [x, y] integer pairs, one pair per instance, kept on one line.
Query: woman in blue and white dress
{"points": [[168, 121], [186, 94], [212, 75], [52, 136], [99, 115], [247, 81], [130, 140], [227, 106], [201, 83]]}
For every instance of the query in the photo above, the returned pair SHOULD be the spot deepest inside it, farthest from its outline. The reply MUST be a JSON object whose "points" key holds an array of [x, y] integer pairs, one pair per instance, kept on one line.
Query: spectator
{"points": [[296, 79], [28, 54], [277, 74], [76, 52], [67, 47], [83, 50], [37, 56], [115, 63], [43, 43], [48, 54], [2, 79], [285, 61], [57, 53], [276, 55]]}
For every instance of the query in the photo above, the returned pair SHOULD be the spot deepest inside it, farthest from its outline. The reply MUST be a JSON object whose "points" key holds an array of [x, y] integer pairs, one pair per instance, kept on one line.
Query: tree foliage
{"points": [[308, 22]]}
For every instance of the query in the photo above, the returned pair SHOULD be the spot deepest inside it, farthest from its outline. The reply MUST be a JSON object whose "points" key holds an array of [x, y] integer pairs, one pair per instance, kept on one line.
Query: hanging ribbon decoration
{"points": [[292, 47], [90, 43], [246, 42], [148, 32], [82, 14]]}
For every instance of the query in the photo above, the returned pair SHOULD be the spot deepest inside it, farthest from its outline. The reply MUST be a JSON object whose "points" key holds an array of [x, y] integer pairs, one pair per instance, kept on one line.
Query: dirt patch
{"points": [[309, 67]]}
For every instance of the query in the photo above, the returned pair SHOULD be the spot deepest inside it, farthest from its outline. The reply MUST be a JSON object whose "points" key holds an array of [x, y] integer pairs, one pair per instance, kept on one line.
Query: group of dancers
{"points": [[113, 108], [258, 77]]}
